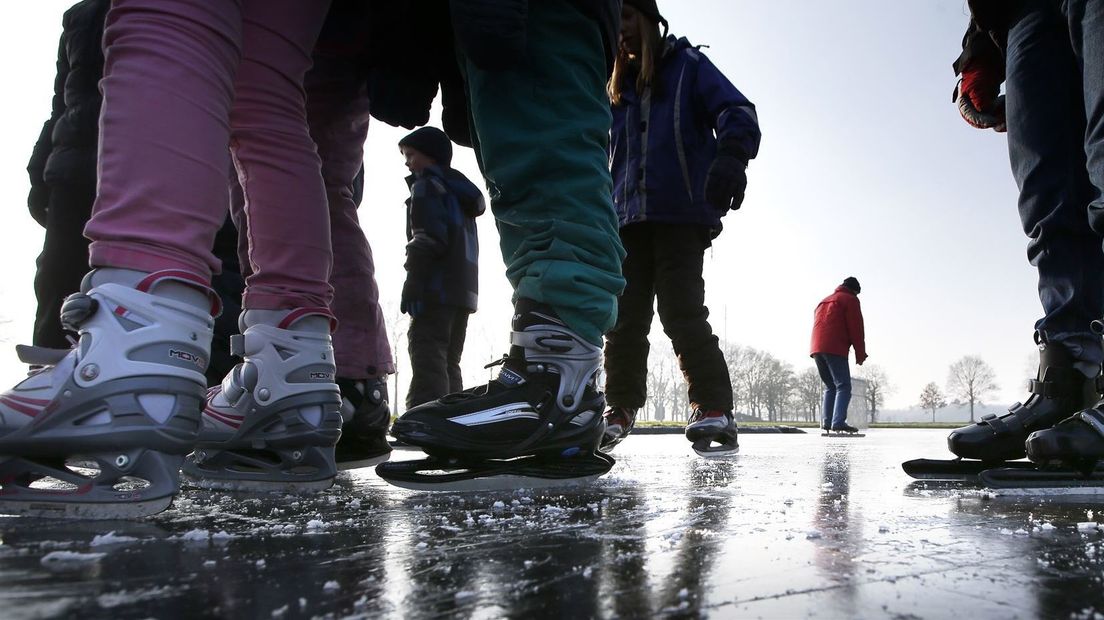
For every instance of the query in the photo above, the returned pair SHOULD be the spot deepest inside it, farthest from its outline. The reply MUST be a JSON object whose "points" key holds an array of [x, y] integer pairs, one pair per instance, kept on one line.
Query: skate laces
{"points": [[705, 414], [620, 416]]}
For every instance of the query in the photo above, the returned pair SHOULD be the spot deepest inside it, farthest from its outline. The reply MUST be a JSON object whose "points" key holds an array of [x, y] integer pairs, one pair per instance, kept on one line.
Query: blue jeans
{"points": [[836, 375], [1055, 81]]}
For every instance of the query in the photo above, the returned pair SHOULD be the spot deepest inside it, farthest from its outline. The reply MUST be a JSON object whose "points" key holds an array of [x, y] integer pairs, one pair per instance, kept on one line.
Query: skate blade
{"points": [[843, 434], [362, 463], [717, 453], [77, 510], [494, 483], [1075, 491], [259, 486]]}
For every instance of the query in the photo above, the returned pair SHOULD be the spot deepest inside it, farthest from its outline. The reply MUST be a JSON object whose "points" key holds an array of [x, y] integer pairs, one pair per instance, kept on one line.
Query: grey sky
{"points": [[865, 170]]}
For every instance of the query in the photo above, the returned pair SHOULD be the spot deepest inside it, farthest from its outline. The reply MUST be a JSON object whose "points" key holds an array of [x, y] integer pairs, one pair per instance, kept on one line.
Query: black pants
{"points": [[664, 263], [435, 342], [63, 261]]}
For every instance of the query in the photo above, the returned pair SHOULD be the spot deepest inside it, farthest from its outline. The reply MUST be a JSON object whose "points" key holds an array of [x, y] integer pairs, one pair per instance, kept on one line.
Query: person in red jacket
{"points": [[837, 326]]}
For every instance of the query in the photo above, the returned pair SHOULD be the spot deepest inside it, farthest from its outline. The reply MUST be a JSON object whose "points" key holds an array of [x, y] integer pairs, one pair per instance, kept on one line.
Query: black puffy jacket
{"points": [[65, 153]]}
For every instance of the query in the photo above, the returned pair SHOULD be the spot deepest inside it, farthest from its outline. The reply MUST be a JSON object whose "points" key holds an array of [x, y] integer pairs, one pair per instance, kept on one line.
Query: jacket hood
{"points": [[843, 289], [467, 194], [675, 44]]}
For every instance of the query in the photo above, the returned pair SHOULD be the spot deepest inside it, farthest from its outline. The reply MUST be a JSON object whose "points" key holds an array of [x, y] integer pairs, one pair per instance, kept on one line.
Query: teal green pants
{"points": [[542, 133]]}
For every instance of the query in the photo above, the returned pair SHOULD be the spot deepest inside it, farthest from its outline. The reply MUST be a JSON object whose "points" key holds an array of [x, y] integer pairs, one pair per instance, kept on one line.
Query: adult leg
{"points": [[1046, 134], [143, 316], [288, 369], [840, 373], [828, 403]]}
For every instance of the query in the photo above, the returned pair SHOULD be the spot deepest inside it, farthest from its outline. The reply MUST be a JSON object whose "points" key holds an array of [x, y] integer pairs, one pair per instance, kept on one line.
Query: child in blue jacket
{"points": [[442, 264], [681, 139]]}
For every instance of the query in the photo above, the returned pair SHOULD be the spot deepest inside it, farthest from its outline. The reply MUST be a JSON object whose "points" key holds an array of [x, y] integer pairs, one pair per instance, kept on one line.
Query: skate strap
{"points": [[301, 313], [1093, 418], [1007, 423], [1046, 389], [183, 277], [40, 356]]}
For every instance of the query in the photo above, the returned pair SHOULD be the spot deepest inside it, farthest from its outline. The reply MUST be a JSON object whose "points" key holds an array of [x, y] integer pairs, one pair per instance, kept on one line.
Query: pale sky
{"points": [[865, 169]]}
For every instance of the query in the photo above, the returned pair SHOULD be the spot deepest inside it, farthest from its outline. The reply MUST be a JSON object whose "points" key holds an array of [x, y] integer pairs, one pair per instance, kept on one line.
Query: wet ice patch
{"points": [[1088, 526], [128, 597], [331, 586], [111, 538], [69, 559]]}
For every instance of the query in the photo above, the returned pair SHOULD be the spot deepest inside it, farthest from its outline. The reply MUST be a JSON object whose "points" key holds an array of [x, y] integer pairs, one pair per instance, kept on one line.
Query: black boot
{"points": [[1077, 441], [1058, 391], [543, 402], [367, 415]]}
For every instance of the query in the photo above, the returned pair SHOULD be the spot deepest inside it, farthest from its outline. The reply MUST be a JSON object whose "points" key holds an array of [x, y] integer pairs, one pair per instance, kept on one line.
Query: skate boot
{"points": [[273, 423], [365, 417], [99, 431], [844, 428], [1059, 391], [1076, 442], [708, 427], [539, 423], [619, 423]]}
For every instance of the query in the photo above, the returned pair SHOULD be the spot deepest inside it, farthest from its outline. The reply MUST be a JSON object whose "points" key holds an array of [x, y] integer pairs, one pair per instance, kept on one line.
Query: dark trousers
{"points": [[63, 261], [664, 265], [435, 342], [836, 375], [1055, 108]]}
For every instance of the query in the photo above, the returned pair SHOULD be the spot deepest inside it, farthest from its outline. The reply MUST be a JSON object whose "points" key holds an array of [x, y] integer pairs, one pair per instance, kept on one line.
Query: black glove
{"points": [[411, 302], [37, 202], [726, 181]]}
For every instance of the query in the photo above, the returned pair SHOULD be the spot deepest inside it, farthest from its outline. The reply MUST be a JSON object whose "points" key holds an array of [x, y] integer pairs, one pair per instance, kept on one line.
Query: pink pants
{"points": [[184, 80]]}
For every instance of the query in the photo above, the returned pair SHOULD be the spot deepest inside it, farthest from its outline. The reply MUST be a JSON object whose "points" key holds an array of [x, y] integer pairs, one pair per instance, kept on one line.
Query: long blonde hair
{"points": [[651, 46]]}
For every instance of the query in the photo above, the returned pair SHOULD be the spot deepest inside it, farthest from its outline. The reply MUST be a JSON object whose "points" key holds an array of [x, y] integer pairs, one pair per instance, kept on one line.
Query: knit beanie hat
{"points": [[852, 283], [649, 9], [432, 142]]}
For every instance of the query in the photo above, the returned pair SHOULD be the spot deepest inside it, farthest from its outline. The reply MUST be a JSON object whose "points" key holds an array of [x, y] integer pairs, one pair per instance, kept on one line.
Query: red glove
{"points": [[979, 100]]}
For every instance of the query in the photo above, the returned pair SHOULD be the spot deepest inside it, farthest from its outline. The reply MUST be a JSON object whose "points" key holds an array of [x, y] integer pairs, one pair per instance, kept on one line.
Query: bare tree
{"points": [[877, 388], [931, 398], [970, 379], [396, 331], [809, 393], [776, 385], [661, 381]]}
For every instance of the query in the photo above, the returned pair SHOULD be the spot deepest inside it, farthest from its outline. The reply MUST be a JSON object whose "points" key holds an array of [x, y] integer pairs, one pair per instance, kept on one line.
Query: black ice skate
{"points": [[842, 430], [99, 431], [273, 423], [619, 423], [1076, 442], [366, 415], [713, 433], [539, 423], [1058, 391]]}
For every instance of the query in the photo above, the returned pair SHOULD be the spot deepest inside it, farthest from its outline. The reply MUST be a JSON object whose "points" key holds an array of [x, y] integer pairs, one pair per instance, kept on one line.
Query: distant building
{"points": [[858, 412]]}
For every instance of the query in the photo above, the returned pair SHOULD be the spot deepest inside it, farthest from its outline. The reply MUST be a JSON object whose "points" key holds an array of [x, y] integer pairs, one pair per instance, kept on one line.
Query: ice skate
{"points": [[539, 423], [273, 423], [713, 433], [619, 423], [365, 417], [1058, 391], [1076, 442], [842, 430], [100, 431]]}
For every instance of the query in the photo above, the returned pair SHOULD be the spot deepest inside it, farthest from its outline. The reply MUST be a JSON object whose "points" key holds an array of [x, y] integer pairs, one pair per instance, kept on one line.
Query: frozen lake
{"points": [[795, 526]]}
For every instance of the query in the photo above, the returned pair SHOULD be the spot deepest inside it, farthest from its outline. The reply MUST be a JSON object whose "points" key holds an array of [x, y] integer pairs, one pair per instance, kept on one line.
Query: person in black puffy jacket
{"points": [[63, 167]]}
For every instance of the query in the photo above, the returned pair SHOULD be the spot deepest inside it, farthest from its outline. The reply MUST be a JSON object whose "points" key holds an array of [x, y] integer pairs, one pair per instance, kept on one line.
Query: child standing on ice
{"points": [[681, 140], [442, 264]]}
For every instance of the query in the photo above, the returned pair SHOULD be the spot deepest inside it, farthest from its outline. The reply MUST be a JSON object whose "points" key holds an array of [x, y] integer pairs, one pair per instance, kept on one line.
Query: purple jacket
{"points": [[662, 144]]}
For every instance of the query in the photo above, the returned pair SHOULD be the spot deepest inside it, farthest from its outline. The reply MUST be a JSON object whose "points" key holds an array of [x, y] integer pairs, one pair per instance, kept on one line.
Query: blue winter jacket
{"points": [[663, 141], [442, 253]]}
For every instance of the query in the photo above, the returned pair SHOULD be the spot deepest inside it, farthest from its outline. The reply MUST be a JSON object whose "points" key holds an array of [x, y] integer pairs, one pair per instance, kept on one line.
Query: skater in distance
{"points": [[838, 326], [681, 140]]}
